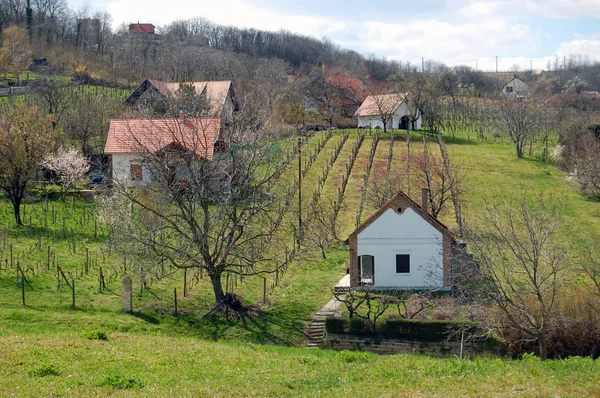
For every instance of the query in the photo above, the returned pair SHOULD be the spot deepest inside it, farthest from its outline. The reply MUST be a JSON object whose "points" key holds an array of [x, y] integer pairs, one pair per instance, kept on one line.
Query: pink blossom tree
{"points": [[68, 165]]}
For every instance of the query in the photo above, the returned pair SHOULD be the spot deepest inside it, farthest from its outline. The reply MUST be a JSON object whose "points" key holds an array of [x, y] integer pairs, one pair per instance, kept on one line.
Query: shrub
{"points": [[354, 356], [574, 331], [359, 327], [96, 335], [407, 329], [335, 325], [45, 370], [117, 380]]}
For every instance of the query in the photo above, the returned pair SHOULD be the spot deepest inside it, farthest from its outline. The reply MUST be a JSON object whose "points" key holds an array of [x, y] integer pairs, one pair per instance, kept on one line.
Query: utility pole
{"points": [[496, 64], [564, 62], [531, 65], [476, 64], [422, 64], [299, 191]]}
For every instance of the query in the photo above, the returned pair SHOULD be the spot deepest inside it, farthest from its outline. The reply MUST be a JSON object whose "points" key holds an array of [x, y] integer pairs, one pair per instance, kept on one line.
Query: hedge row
{"points": [[405, 329]]}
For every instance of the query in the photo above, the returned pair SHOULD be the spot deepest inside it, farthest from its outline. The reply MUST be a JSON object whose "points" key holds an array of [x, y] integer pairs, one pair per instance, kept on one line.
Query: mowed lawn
{"points": [[71, 365]]}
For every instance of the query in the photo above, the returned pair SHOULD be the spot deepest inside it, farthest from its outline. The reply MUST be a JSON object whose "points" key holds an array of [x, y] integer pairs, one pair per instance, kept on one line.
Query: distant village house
{"points": [[218, 96], [394, 108], [515, 88]]}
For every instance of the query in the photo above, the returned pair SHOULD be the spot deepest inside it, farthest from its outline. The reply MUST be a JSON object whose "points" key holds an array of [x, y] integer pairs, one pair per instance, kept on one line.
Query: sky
{"points": [[520, 33]]}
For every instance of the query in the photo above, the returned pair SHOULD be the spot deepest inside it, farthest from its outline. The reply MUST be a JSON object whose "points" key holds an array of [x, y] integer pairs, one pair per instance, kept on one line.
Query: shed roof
{"points": [[374, 105]]}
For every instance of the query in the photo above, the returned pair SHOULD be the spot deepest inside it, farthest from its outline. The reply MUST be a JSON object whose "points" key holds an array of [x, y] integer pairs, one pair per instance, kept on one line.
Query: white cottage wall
{"points": [[393, 121], [121, 169], [406, 233]]}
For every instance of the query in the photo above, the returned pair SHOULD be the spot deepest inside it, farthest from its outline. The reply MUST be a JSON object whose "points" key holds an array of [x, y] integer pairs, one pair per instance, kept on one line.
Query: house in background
{"points": [[141, 28], [130, 140], [403, 247], [394, 107], [218, 96], [347, 91], [515, 88]]}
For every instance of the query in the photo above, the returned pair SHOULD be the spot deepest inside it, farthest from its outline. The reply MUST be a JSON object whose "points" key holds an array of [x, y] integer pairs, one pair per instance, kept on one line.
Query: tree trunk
{"points": [[543, 344], [323, 253], [17, 210], [215, 279]]}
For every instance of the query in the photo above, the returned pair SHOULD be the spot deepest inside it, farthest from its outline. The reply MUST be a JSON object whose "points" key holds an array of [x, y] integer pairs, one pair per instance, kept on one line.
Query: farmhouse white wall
{"points": [[393, 122], [519, 87], [406, 233], [121, 168]]}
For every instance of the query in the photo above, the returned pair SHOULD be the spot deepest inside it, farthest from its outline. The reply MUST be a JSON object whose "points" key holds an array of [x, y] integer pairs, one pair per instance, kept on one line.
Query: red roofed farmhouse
{"points": [[130, 141], [141, 28], [401, 246]]}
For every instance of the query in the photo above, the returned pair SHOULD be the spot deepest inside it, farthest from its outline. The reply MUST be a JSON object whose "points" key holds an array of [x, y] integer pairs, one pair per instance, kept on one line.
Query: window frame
{"points": [[136, 172], [402, 272]]}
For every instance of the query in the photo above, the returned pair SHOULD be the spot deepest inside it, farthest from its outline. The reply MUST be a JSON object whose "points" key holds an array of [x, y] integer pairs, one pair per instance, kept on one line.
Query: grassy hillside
{"points": [[156, 353], [69, 364]]}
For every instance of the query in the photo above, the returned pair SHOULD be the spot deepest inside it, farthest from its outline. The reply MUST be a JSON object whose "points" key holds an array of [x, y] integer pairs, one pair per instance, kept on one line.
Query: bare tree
{"points": [[521, 118], [583, 163], [433, 174], [323, 228], [68, 165], [223, 214], [524, 264], [325, 98]]}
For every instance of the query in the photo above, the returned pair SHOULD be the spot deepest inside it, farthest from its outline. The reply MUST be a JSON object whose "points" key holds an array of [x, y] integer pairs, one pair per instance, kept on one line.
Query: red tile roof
{"points": [[152, 135], [350, 83], [141, 27]]}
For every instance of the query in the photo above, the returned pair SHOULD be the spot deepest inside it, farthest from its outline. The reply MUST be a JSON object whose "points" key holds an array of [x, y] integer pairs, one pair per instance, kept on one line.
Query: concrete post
{"points": [[127, 295]]}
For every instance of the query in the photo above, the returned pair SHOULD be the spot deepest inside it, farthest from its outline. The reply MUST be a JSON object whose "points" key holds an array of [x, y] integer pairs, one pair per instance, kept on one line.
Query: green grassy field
{"points": [[128, 364], [44, 351]]}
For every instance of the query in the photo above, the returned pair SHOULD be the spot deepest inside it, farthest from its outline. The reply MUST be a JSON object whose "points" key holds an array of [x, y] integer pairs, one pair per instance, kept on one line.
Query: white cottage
{"points": [[515, 88], [394, 109], [130, 140], [402, 246]]}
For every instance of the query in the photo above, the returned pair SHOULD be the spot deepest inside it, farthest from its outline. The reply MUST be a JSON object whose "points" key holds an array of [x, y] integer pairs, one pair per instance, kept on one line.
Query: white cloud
{"points": [[591, 48], [452, 43], [564, 9]]}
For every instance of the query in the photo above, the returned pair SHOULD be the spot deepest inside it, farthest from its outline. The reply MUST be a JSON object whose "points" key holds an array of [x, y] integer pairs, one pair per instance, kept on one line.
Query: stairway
{"points": [[314, 334]]}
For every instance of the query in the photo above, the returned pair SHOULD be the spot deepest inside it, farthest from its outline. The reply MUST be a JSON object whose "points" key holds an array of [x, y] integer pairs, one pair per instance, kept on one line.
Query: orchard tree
{"points": [[522, 118], [26, 136], [68, 165]]}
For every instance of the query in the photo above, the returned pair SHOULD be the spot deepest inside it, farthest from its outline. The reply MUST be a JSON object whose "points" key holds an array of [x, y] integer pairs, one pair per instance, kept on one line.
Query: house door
{"points": [[367, 269], [404, 122]]}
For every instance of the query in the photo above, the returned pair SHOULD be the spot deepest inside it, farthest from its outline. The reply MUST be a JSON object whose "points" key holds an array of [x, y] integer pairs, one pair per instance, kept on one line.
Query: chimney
{"points": [[425, 200], [181, 117]]}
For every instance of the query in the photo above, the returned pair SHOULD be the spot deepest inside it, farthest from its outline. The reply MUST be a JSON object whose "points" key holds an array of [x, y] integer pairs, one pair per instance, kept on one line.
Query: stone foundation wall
{"points": [[379, 345]]}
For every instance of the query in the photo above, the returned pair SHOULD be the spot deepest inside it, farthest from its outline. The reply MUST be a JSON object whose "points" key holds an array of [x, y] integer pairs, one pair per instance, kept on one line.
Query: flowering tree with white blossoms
{"points": [[68, 165]]}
